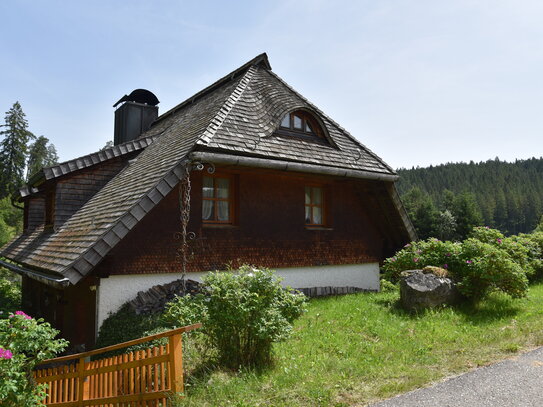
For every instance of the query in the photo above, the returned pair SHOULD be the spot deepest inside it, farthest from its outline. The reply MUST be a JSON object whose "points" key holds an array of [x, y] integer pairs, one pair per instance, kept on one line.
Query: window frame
{"points": [[307, 118], [311, 205], [215, 199]]}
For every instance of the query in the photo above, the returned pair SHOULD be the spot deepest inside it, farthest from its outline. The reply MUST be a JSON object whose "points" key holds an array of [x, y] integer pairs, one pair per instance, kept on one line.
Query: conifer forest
{"points": [[446, 201]]}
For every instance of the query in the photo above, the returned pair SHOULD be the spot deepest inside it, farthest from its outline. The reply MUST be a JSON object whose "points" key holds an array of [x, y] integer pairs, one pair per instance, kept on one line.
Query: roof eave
{"points": [[59, 282], [283, 165]]}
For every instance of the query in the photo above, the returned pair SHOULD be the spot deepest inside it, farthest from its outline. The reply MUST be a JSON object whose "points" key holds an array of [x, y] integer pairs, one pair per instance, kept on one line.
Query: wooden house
{"points": [[260, 175]]}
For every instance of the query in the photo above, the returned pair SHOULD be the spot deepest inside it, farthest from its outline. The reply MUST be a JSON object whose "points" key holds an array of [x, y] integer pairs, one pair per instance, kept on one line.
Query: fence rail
{"points": [[142, 378]]}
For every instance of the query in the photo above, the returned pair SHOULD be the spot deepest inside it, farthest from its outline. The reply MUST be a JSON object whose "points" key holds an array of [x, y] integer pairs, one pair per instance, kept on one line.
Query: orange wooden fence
{"points": [[142, 378]]}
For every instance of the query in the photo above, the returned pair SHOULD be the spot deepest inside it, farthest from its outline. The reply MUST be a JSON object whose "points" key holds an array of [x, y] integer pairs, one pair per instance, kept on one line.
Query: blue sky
{"points": [[419, 82]]}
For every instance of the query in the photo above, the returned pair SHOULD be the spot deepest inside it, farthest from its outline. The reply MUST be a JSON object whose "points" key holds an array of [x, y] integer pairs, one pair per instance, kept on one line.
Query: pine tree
{"points": [[466, 213], [41, 154], [13, 150], [445, 225], [421, 211]]}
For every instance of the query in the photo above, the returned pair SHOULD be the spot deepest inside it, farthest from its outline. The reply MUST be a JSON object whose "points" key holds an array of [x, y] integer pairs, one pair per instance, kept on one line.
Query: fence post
{"points": [[83, 384], [176, 363]]}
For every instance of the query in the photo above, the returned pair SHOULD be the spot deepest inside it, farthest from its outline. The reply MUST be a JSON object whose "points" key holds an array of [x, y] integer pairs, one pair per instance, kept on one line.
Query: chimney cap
{"points": [[140, 96]]}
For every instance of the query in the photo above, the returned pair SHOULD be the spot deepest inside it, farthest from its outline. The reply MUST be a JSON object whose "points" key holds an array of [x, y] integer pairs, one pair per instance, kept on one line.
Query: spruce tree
{"points": [[40, 154], [13, 150]]}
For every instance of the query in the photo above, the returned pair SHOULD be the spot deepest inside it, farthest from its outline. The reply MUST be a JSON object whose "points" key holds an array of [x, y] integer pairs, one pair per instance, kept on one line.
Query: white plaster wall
{"points": [[345, 275], [114, 291]]}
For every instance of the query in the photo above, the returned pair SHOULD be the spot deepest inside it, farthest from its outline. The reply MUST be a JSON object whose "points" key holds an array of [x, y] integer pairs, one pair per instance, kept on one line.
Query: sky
{"points": [[419, 82]]}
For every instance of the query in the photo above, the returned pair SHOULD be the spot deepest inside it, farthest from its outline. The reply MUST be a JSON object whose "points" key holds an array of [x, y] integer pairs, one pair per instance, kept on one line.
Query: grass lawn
{"points": [[355, 349]]}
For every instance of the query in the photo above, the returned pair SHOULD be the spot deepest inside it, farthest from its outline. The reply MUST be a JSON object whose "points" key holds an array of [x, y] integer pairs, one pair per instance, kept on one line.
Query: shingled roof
{"points": [[237, 115], [67, 167]]}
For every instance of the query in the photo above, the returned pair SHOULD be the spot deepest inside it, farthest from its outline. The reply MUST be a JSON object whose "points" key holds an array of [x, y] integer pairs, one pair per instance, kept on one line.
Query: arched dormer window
{"points": [[303, 124]]}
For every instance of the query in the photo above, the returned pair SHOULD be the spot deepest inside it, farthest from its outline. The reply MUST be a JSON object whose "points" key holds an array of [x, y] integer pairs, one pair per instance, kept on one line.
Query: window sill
{"points": [[318, 228], [219, 226]]}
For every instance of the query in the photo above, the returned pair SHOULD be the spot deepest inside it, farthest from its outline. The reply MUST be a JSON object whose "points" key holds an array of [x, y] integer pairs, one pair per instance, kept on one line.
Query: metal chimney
{"points": [[135, 115]]}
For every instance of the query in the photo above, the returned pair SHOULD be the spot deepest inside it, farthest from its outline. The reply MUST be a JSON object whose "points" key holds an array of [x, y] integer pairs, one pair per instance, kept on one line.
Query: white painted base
{"points": [[114, 291]]}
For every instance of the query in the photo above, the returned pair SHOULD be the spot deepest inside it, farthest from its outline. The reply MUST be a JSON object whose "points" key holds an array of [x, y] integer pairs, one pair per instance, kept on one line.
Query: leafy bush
{"points": [[477, 267], [416, 255], [534, 243], [484, 267], [24, 342], [10, 297], [524, 249], [387, 286], [125, 325], [243, 314]]}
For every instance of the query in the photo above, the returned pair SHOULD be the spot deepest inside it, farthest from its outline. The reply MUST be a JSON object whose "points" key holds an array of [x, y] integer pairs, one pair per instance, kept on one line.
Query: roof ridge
{"points": [[261, 59], [88, 160], [354, 139], [227, 107]]}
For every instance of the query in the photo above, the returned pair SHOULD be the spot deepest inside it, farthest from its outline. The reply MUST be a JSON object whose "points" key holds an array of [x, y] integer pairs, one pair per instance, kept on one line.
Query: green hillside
{"points": [[504, 195]]}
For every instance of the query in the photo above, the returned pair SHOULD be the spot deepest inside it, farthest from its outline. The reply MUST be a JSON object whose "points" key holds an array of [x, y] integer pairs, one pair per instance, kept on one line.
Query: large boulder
{"points": [[420, 290]]}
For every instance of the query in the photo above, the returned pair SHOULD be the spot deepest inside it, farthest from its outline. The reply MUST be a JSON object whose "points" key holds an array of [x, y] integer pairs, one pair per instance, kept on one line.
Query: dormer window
{"points": [[300, 123]]}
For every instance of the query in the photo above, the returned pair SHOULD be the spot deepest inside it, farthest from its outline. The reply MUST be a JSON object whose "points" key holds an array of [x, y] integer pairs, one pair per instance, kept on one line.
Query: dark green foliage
{"points": [[13, 150], [243, 314], [125, 325], [466, 213], [506, 196], [421, 211], [41, 154]]}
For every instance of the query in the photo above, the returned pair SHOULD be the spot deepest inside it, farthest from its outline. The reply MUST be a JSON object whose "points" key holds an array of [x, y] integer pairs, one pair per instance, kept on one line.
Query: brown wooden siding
{"points": [[72, 310], [34, 213], [269, 228]]}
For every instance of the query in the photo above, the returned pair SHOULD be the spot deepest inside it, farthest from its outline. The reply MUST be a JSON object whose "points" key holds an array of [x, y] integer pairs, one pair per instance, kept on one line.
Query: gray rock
{"points": [[419, 290]]}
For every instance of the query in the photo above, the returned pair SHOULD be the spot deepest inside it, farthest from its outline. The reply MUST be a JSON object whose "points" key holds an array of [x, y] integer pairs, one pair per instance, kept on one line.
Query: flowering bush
{"points": [[243, 313], [24, 342], [416, 255], [524, 249], [477, 267], [486, 268], [534, 243]]}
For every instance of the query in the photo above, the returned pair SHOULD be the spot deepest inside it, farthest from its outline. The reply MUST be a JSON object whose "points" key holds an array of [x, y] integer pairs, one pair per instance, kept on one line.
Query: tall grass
{"points": [[359, 348]]}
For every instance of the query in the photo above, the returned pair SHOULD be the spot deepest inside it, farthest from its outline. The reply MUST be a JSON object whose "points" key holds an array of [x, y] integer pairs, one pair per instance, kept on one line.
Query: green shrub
{"points": [[243, 314], [417, 255], [524, 249], [534, 243], [24, 342], [387, 286], [487, 235], [484, 267], [125, 325], [476, 266], [10, 297]]}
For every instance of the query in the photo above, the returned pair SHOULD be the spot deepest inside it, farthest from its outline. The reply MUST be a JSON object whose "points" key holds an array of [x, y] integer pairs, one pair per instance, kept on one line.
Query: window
{"points": [[217, 200], [302, 124], [314, 206]]}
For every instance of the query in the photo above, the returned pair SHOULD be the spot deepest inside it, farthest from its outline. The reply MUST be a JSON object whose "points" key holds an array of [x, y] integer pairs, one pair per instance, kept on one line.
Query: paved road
{"points": [[516, 382]]}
